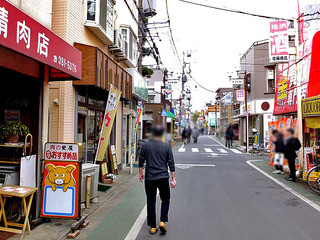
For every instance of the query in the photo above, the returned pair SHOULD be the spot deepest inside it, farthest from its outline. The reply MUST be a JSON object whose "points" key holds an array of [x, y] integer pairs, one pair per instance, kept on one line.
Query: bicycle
{"points": [[313, 177], [259, 149]]}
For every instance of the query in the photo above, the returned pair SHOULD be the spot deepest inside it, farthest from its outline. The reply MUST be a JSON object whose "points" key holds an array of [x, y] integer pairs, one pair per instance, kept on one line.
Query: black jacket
{"points": [[279, 144], [157, 156], [293, 144]]}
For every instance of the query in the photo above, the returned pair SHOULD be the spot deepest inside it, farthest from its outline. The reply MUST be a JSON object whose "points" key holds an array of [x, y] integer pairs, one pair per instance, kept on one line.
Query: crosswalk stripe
{"points": [[181, 149], [195, 150], [222, 150], [236, 151], [208, 150]]}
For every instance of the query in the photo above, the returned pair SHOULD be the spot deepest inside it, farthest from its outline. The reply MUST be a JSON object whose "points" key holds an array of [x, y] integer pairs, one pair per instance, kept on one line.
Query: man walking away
{"points": [[158, 157], [277, 139], [292, 145], [184, 137], [231, 135], [189, 132], [195, 134], [228, 139]]}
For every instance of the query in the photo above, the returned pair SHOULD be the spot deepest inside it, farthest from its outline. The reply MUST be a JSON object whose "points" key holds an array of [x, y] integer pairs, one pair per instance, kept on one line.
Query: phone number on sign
{"points": [[65, 63]]}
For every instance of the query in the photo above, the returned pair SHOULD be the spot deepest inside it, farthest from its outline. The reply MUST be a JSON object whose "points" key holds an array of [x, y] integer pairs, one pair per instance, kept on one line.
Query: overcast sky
{"points": [[217, 39]]}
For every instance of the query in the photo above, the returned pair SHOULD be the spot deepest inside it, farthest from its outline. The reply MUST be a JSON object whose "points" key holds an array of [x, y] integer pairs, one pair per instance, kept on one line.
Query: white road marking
{"points": [[195, 150], [217, 142], [222, 150], [195, 165], [303, 198], [182, 149], [211, 145], [236, 151], [208, 150], [136, 227]]}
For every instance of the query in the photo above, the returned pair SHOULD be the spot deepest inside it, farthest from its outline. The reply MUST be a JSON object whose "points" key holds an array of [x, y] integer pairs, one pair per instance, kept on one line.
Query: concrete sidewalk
{"points": [[59, 228]]}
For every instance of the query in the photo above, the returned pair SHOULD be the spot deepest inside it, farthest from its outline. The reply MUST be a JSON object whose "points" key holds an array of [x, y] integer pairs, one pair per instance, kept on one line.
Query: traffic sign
{"points": [[164, 113]]}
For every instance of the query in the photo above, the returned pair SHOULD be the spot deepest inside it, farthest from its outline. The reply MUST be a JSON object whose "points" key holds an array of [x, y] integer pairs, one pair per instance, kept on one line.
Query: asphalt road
{"points": [[231, 200]]}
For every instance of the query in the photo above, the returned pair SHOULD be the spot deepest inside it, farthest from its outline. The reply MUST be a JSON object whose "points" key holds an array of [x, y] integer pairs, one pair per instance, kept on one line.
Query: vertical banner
{"points": [[272, 126], [278, 41], [139, 113], [109, 115]]}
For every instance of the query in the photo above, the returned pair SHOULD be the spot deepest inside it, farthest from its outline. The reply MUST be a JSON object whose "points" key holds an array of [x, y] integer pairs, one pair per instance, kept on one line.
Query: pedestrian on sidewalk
{"points": [[292, 145], [195, 134], [277, 139], [228, 137], [158, 157]]}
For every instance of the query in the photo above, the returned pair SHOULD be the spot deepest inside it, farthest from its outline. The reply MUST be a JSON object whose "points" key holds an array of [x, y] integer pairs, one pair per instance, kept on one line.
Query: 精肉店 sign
{"points": [[311, 106], [23, 34]]}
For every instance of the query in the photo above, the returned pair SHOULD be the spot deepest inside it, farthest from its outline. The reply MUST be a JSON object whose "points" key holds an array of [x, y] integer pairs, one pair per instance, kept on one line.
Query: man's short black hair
{"points": [[158, 130], [291, 131], [275, 131]]}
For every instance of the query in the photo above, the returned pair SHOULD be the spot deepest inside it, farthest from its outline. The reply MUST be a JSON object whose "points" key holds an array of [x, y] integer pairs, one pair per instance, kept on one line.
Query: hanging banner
{"points": [[278, 41], [139, 114], [109, 115], [286, 88]]}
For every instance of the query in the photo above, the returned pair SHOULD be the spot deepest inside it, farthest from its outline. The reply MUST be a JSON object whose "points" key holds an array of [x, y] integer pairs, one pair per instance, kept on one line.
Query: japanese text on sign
{"points": [[62, 151], [278, 41]]}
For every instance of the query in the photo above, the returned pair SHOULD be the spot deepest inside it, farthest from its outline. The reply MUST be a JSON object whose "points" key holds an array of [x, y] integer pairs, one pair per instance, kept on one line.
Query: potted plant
{"points": [[11, 131], [110, 178]]}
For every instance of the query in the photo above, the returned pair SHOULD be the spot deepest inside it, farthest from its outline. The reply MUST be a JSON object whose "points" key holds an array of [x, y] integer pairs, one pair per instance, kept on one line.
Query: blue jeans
{"points": [[151, 187]]}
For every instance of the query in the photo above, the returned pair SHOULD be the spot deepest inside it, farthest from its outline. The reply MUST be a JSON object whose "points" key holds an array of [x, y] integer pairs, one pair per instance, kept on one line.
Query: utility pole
{"points": [[216, 120], [246, 109]]}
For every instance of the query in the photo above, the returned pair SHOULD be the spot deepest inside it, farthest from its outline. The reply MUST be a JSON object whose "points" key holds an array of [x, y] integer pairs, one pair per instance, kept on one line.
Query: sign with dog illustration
{"points": [[60, 189]]}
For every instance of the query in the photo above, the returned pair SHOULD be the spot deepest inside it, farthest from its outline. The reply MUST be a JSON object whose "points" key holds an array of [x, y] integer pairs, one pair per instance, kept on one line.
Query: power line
{"points": [[171, 35], [236, 11], [201, 85]]}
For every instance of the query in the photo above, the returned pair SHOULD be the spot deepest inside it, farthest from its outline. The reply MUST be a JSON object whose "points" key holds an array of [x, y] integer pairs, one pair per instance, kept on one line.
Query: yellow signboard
{"points": [[111, 109], [311, 106]]}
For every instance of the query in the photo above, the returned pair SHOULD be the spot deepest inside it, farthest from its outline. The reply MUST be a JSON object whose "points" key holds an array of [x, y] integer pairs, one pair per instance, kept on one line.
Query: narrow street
{"points": [[220, 196]]}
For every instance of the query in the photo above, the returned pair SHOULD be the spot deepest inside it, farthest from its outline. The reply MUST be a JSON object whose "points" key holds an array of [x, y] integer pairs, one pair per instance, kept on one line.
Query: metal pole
{"points": [[215, 127], [246, 109]]}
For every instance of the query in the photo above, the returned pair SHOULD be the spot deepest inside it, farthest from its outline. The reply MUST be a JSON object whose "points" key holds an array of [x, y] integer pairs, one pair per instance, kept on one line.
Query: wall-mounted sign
{"points": [[140, 85], [228, 99], [240, 95], [237, 81], [265, 106], [311, 106], [23, 34], [278, 41], [60, 189]]}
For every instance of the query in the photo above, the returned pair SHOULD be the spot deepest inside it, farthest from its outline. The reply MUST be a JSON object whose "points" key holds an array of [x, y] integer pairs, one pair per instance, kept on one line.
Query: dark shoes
{"points": [[290, 179]]}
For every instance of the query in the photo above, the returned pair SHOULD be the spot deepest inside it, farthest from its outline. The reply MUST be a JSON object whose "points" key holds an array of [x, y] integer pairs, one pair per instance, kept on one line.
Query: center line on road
{"points": [[222, 150], [195, 165], [208, 150], [195, 150], [236, 151]]}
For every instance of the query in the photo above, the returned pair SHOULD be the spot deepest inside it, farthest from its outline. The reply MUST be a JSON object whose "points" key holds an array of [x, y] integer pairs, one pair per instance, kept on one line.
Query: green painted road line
{"points": [[119, 222], [300, 187]]}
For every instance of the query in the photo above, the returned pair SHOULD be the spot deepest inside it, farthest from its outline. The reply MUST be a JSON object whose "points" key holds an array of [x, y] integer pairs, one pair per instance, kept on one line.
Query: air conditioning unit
{"points": [[117, 42], [89, 169]]}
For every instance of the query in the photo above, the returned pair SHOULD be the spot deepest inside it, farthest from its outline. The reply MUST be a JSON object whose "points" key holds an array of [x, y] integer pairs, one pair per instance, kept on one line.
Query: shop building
{"points": [[260, 77], [105, 31], [32, 57]]}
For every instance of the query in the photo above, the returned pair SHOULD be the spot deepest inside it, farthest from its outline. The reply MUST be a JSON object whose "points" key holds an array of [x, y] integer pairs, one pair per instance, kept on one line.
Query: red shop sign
{"points": [[23, 34]]}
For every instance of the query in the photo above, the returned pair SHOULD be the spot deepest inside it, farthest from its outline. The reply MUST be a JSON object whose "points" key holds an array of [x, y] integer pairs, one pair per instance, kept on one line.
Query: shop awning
{"points": [[312, 122], [170, 115], [39, 43]]}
